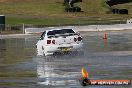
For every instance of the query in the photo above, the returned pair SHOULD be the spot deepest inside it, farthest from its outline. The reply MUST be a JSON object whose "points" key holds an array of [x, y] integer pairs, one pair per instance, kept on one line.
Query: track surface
{"points": [[110, 59]]}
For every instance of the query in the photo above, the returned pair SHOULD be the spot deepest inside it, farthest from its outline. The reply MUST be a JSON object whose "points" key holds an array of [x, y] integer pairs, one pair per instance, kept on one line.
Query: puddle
{"points": [[20, 67]]}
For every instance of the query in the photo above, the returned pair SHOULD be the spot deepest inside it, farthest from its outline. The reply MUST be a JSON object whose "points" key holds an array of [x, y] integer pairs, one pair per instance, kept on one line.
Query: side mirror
{"points": [[41, 38]]}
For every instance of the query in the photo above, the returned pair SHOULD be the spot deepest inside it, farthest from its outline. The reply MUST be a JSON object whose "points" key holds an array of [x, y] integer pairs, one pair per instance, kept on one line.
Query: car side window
{"points": [[42, 36]]}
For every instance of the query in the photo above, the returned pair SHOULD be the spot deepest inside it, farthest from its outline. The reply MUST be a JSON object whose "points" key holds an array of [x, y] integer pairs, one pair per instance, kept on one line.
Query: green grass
{"points": [[52, 12], [60, 21]]}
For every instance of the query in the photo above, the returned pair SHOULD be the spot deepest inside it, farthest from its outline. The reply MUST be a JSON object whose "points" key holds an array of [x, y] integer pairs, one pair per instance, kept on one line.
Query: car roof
{"points": [[58, 29]]}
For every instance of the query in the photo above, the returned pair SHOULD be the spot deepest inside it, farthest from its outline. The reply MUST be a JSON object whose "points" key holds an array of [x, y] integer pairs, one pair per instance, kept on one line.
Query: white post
{"points": [[23, 28]]}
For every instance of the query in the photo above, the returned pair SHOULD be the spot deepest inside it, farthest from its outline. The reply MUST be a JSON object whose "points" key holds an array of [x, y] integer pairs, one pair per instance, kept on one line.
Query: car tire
{"points": [[39, 53]]}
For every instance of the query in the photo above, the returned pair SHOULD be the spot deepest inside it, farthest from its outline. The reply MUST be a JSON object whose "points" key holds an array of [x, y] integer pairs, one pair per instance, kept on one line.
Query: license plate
{"points": [[65, 49]]}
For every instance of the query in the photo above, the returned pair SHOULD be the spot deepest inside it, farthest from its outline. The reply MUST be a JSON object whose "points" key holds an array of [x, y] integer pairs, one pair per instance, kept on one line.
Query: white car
{"points": [[59, 40]]}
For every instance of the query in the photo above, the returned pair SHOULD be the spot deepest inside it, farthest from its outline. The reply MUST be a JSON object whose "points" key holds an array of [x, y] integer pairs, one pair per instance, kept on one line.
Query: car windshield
{"points": [[61, 32]]}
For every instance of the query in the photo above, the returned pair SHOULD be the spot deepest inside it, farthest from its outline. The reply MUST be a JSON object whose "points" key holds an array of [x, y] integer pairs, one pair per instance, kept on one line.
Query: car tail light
{"points": [[75, 39], [48, 41], [53, 41], [79, 38]]}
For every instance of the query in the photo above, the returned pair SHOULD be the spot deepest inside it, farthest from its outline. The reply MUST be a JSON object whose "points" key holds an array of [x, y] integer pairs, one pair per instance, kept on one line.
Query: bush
{"points": [[120, 11], [74, 9]]}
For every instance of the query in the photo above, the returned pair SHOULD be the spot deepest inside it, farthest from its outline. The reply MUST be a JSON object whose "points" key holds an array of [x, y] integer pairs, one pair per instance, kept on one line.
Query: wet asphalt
{"points": [[103, 59]]}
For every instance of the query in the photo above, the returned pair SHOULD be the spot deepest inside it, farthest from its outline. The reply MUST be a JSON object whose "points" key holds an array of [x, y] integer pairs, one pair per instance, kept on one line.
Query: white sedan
{"points": [[59, 40]]}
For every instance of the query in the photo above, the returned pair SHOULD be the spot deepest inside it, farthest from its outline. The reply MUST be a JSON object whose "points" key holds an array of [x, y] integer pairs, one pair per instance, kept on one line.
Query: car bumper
{"points": [[63, 48]]}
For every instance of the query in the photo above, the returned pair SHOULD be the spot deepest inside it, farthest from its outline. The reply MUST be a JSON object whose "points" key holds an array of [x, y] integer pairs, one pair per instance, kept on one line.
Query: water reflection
{"points": [[103, 59], [114, 42], [56, 71], [19, 66], [16, 65], [2, 47]]}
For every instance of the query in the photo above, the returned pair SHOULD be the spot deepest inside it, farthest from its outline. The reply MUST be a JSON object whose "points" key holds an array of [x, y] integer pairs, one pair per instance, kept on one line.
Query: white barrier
{"points": [[83, 28]]}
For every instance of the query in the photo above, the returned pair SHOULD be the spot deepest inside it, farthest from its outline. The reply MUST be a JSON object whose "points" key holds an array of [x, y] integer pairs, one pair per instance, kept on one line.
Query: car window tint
{"points": [[67, 31], [63, 31]]}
